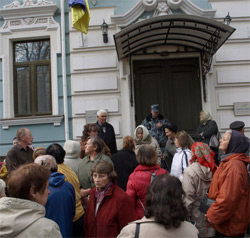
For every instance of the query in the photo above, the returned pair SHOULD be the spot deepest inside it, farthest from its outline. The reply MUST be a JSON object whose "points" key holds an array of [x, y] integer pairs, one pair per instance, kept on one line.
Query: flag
{"points": [[80, 14]]}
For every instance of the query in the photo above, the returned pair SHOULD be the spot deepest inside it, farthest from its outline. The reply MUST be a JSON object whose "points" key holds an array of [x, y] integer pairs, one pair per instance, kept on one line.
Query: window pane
{"points": [[23, 90], [32, 51], [43, 89]]}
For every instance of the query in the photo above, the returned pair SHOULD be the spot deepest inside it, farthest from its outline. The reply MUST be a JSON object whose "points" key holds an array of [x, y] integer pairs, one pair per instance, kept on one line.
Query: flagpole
{"points": [[64, 75]]}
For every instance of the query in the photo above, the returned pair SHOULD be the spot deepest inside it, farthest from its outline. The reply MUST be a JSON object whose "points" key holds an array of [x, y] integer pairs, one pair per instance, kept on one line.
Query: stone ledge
{"points": [[19, 121]]}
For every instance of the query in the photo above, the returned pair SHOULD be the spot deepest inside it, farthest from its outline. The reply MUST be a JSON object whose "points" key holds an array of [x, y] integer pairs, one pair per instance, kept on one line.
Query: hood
{"points": [[237, 156], [146, 135], [204, 173], [56, 179], [17, 215]]}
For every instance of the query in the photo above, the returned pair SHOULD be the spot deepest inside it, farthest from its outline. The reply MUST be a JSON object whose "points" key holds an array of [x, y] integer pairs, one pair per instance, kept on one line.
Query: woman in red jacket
{"points": [[109, 207], [140, 179], [229, 214]]}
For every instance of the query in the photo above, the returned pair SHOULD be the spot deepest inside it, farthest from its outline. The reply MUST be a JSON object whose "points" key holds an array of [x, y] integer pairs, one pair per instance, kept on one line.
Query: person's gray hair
{"points": [[96, 142], [2, 188], [20, 132], [99, 112], [47, 161]]}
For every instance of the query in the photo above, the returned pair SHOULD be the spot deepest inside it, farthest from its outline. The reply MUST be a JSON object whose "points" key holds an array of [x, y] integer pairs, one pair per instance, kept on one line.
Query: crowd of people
{"points": [[162, 183]]}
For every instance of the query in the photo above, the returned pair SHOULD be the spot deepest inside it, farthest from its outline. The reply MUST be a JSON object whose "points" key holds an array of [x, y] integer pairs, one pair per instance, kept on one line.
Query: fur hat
{"points": [[72, 149]]}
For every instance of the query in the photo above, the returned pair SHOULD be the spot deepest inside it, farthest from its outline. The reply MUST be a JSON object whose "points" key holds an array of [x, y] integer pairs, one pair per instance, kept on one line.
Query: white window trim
{"points": [[28, 21]]}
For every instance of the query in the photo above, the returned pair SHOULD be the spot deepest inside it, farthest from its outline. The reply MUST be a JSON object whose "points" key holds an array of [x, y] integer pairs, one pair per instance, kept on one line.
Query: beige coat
{"points": [[149, 228], [24, 218], [196, 181], [147, 140]]}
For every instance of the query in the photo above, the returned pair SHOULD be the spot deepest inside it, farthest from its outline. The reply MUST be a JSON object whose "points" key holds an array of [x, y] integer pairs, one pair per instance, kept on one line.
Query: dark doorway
{"points": [[175, 85]]}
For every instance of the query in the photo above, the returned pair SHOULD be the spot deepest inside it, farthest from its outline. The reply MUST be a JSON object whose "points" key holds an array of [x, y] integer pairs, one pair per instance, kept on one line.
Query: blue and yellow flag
{"points": [[80, 14]]}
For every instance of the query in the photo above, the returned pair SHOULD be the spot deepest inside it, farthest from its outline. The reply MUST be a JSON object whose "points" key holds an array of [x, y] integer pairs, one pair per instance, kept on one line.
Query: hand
{"points": [[158, 125], [84, 192]]}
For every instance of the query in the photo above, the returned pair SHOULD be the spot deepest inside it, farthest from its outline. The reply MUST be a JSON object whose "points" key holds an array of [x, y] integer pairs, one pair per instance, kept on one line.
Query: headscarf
{"points": [[202, 153], [237, 144], [145, 133], [207, 116]]}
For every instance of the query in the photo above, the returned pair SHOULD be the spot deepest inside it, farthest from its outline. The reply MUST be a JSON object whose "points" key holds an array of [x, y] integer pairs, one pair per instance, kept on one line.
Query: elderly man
{"points": [[106, 132], [21, 153], [155, 123]]}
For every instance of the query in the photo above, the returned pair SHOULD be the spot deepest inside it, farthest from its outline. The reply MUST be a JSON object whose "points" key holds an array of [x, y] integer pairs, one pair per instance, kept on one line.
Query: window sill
{"points": [[18, 121]]}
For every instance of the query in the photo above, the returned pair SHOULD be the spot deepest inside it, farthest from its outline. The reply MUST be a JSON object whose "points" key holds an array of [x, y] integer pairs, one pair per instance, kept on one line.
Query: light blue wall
{"points": [[44, 134], [123, 6]]}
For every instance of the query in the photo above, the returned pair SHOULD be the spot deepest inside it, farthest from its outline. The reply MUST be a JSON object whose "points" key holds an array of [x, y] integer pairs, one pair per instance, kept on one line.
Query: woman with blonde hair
{"points": [[182, 155], [38, 151]]}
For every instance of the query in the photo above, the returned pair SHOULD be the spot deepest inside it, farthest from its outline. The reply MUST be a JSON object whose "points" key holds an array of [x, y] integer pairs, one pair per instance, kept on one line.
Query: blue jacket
{"points": [[60, 206]]}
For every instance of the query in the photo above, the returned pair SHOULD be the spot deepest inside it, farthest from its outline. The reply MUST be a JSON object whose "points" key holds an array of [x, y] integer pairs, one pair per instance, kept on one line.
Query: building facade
{"points": [[53, 78]]}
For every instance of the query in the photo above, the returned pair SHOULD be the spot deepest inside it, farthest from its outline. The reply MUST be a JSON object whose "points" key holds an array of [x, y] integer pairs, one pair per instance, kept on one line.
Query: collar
{"points": [[19, 147]]}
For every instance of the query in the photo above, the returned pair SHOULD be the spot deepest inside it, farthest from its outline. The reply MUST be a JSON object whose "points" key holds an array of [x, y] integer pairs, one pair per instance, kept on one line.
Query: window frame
{"points": [[33, 81]]}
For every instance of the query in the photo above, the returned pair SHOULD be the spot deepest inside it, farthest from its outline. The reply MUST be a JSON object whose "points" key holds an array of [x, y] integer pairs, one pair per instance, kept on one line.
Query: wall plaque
{"points": [[91, 116], [242, 108]]}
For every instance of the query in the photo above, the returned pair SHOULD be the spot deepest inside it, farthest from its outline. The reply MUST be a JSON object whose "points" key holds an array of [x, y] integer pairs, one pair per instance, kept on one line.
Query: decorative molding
{"points": [[144, 5], [149, 5], [16, 11], [162, 9], [6, 123], [33, 21]]}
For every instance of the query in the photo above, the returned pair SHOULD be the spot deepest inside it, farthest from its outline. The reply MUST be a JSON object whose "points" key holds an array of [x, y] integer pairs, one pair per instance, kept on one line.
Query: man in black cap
{"points": [[155, 123], [239, 126]]}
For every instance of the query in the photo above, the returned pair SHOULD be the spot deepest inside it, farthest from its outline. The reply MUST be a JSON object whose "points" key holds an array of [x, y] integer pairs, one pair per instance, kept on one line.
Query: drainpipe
{"points": [[64, 76]]}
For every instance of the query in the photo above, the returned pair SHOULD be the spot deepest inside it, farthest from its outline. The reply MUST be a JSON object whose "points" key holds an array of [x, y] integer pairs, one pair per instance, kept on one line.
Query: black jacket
{"points": [[207, 129], [108, 137], [124, 164]]}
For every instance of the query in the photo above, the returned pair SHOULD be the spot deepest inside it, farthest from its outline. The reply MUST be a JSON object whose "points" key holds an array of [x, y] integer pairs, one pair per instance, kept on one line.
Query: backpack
{"points": [[153, 175]]}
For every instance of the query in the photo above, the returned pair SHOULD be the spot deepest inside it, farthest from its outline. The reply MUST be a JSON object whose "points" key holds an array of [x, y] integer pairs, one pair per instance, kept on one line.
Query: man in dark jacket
{"points": [[21, 153], [155, 124], [106, 132]]}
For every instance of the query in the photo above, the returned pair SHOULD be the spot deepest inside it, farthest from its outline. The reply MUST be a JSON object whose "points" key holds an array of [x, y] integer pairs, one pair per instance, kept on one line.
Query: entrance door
{"points": [[174, 85]]}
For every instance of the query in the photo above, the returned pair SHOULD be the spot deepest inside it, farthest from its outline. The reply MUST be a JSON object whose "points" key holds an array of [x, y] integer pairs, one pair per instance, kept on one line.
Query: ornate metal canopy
{"points": [[201, 34]]}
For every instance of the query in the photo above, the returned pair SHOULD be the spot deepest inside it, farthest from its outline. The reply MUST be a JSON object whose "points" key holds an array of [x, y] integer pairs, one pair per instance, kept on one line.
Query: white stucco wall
{"points": [[230, 74]]}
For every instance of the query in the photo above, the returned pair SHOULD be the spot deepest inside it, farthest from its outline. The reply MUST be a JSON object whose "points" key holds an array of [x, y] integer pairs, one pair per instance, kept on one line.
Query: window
{"points": [[32, 84]]}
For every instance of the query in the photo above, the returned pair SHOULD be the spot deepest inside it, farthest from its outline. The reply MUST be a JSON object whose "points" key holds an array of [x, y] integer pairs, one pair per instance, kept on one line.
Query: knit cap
{"points": [[72, 149]]}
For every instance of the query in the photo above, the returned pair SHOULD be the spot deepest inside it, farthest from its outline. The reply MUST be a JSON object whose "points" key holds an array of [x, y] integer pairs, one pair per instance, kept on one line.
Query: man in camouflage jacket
{"points": [[155, 123]]}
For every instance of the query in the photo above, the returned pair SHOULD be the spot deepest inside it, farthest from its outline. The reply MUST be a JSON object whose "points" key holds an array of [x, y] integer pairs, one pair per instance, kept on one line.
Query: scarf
{"points": [[99, 194], [202, 153], [237, 144]]}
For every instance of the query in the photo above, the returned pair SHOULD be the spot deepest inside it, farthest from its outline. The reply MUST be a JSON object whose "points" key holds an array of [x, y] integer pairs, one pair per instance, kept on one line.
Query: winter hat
{"points": [[72, 149]]}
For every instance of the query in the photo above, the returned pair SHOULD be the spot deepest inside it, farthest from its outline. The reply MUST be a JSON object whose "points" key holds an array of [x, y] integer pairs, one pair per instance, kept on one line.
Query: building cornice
{"points": [[28, 9], [6, 123], [145, 6]]}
